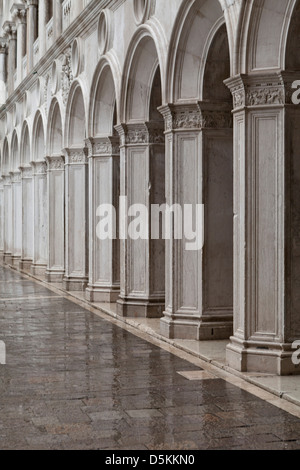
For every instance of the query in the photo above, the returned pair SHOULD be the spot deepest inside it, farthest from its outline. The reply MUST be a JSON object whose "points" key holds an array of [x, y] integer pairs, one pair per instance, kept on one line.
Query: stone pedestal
{"points": [[104, 189], [27, 218], [56, 219], [17, 218], [76, 197], [40, 218], [266, 224], [142, 163], [199, 282]]}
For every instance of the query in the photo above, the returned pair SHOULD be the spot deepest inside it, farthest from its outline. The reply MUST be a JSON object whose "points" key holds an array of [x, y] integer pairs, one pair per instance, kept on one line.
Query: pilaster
{"points": [[10, 30], [27, 217]]}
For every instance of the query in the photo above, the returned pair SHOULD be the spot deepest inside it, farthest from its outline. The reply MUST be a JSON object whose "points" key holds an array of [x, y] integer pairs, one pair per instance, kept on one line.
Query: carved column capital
{"points": [[55, 163], [3, 45], [26, 172], [31, 3], [141, 133], [273, 89], [103, 146], [197, 116], [18, 12], [39, 168], [10, 29], [76, 156]]}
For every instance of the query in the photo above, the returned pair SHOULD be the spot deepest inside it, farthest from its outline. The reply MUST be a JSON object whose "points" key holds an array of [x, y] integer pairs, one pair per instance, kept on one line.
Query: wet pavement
{"points": [[76, 381]]}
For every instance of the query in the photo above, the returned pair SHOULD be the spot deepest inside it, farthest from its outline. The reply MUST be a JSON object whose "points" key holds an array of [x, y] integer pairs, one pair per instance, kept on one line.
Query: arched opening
{"points": [[56, 196], [199, 158], [104, 189], [27, 200], [40, 222], [143, 180], [292, 141], [218, 192], [8, 205], [76, 192], [77, 123], [17, 201]]}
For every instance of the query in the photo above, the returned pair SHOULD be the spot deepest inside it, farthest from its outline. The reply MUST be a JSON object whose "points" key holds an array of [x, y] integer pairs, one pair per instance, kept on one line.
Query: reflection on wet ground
{"points": [[76, 381]]}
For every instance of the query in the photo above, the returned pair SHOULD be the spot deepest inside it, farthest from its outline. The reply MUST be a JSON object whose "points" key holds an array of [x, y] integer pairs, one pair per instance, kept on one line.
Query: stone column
{"points": [[104, 187], [18, 12], [76, 197], [199, 172], [43, 11], [57, 19], [142, 170], [32, 24], [40, 218], [3, 75], [266, 225], [17, 218], [27, 219], [8, 219], [56, 218], [1, 220], [10, 29]]}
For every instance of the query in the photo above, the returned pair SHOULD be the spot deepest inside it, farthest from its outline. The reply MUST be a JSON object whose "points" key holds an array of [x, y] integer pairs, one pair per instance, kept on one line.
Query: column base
{"points": [[25, 264], [16, 261], [96, 294], [38, 269], [75, 284], [139, 309], [54, 276], [215, 327], [7, 259], [179, 328], [266, 359]]}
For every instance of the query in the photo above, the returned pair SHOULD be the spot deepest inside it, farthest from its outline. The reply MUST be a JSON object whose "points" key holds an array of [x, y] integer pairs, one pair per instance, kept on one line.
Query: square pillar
{"points": [[8, 219], [56, 218], [266, 225], [27, 218], [142, 170], [17, 218], [104, 189], [76, 228], [40, 218], [199, 283], [1, 220]]}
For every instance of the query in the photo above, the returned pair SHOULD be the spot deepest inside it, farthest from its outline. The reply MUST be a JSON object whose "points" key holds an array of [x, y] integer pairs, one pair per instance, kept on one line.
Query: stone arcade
{"points": [[161, 102]]}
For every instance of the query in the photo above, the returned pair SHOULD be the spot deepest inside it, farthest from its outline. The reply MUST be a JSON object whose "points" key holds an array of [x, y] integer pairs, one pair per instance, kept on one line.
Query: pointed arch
{"points": [[25, 146], [55, 129], [76, 112], [38, 138], [145, 53], [195, 28], [263, 35], [5, 157], [104, 106], [15, 155]]}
